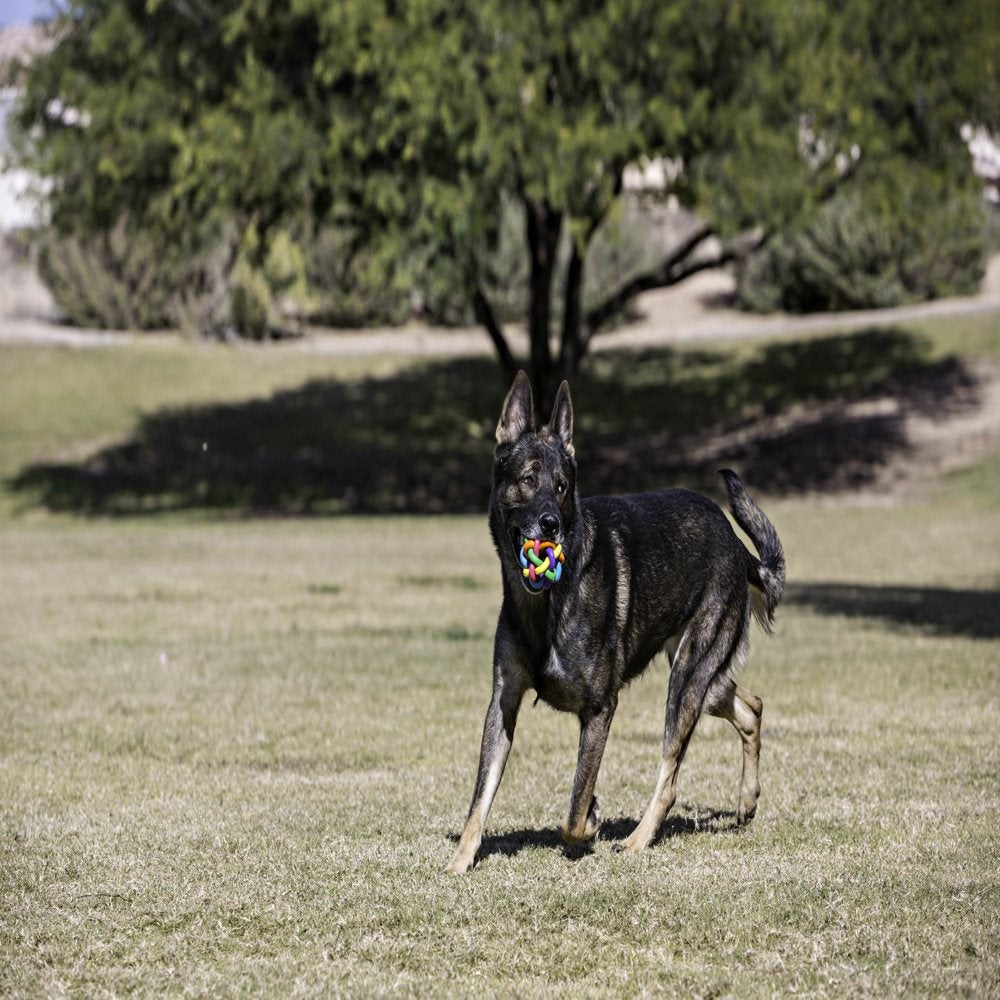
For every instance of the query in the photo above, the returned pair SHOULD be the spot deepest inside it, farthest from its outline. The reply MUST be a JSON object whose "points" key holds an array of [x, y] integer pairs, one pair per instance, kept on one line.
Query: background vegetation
{"points": [[356, 160]]}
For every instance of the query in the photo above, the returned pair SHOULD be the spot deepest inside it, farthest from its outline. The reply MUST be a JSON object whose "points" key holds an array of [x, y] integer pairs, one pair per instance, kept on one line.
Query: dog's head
{"points": [[534, 471]]}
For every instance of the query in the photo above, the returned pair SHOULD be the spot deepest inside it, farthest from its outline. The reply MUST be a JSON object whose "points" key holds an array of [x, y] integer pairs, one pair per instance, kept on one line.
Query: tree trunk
{"points": [[573, 344], [544, 226]]}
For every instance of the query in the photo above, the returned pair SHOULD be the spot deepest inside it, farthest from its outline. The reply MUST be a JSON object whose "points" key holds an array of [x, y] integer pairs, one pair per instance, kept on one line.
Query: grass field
{"points": [[236, 751]]}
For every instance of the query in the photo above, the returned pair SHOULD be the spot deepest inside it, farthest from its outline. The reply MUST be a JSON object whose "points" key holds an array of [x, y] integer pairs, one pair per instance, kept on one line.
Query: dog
{"points": [[653, 571]]}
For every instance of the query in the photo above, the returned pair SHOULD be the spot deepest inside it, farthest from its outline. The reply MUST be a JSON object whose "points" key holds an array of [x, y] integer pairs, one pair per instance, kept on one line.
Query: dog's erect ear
{"points": [[561, 423], [518, 414]]}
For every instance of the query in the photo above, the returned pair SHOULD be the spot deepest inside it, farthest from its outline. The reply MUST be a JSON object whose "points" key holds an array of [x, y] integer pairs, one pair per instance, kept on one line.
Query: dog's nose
{"points": [[549, 523]]}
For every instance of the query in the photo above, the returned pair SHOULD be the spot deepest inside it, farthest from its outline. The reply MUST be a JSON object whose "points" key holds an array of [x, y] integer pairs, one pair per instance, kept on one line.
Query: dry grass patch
{"points": [[230, 764]]}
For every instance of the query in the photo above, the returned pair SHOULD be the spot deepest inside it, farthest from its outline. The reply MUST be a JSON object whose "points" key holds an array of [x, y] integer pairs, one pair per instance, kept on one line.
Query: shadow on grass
{"points": [[971, 613], [819, 414], [616, 830]]}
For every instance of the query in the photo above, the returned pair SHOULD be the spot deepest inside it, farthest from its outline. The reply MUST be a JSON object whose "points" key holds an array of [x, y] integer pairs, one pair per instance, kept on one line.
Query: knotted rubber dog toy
{"points": [[542, 563]]}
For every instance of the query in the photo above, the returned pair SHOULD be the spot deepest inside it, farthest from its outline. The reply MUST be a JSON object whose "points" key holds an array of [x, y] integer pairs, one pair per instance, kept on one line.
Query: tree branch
{"points": [[659, 277], [487, 318], [574, 339], [673, 270]]}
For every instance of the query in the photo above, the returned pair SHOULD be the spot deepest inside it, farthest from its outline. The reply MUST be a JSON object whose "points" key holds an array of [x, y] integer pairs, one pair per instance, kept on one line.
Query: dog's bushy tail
{"points": [[767, 574]]}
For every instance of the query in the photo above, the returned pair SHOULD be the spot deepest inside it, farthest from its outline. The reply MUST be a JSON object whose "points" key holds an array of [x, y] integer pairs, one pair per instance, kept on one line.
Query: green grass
{"points": [[235, 754], [64, 403]]}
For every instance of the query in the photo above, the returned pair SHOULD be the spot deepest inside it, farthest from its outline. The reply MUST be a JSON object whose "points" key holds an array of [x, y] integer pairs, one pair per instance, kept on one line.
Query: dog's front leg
{"points": [[498, 734], [584, 818]]}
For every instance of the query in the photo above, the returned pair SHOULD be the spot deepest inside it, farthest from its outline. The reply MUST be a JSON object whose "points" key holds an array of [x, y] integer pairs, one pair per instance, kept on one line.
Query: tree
{"points": [[409, 122], [548, 104]]}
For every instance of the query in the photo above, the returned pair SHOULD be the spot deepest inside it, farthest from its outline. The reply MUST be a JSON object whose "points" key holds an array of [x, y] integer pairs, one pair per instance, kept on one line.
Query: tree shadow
{"points": [[823, 413], [941, 611]]}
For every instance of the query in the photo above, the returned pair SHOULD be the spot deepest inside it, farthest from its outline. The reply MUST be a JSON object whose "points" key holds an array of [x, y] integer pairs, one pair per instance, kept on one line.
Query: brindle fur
{"points": [[643, 573]]}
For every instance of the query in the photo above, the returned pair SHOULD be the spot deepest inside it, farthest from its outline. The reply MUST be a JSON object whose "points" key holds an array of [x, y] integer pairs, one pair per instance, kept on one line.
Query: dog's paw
{"points": [[628, 847], [635, 843], [460, 864], [746, 808], [591, 827], [579, 835]]}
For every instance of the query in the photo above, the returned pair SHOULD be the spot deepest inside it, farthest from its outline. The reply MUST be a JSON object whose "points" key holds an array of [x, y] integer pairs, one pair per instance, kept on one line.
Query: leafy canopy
{"points": [[409, 122]]}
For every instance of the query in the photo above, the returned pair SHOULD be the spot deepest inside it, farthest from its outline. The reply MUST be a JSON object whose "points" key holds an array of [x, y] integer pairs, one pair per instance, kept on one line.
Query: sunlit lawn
{"points": [[235, 753]]}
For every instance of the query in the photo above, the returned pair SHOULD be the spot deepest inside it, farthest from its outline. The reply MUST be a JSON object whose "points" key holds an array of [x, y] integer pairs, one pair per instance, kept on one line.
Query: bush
{"points": [[353, 288], [118, 279], [250, 301], [203, 307], [268, 293], [127, 279], [628, 242], [852, 256], [238, 282]]}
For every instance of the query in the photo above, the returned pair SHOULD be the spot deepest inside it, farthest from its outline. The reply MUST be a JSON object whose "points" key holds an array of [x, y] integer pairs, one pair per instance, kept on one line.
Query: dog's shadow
{"points": [[512, 842]]}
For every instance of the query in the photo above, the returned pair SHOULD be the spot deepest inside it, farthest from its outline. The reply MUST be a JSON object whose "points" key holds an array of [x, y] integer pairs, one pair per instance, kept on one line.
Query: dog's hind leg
{"points": [[680, 728], [744, 710], [698, 661], [498, 734], [584, 818]]}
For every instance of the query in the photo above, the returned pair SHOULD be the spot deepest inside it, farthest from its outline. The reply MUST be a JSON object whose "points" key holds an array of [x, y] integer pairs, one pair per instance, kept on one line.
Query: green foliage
{"points": [[285, 266], [203, 306], [409, 129], [439, 284], [351, 284], [267, 287], [116, 279], [251, 300], [628, 242], [851, 256], [897, 83]]}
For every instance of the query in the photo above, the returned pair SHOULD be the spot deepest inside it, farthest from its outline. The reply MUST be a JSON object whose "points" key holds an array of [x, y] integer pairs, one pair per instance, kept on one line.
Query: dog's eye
{"points": [[560, 488]]}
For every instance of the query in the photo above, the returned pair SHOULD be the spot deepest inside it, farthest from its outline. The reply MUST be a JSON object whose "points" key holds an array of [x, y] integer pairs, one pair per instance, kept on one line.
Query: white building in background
{"points": [[21, 202], [985, 151]]}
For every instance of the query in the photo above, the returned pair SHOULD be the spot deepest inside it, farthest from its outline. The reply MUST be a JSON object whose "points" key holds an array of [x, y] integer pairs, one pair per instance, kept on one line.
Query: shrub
{"points": [[202, 308], [284, 268], [850, 255], [268, 292], [352, 287], [627, 242], [118, 279], [250, 301]]}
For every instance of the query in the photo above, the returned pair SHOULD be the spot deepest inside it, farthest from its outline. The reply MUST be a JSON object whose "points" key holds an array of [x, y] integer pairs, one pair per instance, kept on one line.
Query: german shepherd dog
{"points": [[661, 570]]}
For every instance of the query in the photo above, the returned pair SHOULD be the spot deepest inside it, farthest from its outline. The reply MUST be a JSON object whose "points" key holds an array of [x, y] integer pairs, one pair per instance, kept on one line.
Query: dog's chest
{"points": [[561, 683]]}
